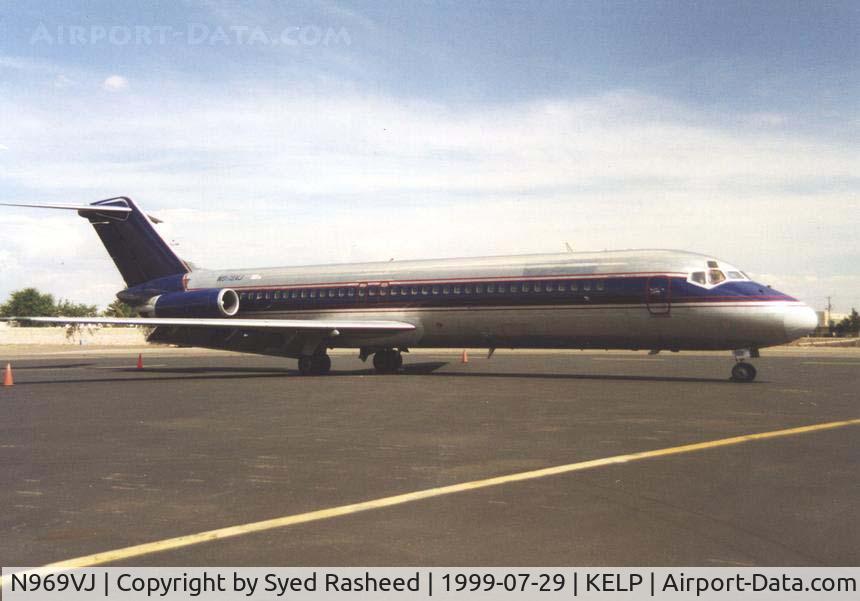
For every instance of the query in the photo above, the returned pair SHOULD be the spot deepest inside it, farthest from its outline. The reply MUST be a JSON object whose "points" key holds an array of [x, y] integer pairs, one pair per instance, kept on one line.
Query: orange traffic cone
{"points": [[465, 357], [7, 376], [140, 361]]}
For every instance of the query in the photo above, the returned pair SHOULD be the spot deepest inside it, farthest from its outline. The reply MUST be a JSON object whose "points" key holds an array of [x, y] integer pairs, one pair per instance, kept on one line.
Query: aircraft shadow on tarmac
{"points": [[426, 368], [52, 366]]}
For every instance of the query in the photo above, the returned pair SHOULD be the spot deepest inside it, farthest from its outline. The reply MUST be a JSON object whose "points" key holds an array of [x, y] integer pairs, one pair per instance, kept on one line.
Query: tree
{"points": [[118, 309], [29, 302], [67, 308], [849, 325]]}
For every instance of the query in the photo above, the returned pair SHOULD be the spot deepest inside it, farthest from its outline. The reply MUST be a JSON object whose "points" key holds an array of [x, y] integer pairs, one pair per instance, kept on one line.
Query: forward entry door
{"points": [[658, 296]]}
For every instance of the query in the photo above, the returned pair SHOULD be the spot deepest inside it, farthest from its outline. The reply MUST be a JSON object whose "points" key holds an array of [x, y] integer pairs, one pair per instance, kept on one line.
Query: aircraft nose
{"points": [[799, 321]]}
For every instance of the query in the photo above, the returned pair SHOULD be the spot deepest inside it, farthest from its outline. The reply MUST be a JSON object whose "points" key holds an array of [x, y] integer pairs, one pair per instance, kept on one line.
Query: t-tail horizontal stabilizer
{"points": [[140, 254]]}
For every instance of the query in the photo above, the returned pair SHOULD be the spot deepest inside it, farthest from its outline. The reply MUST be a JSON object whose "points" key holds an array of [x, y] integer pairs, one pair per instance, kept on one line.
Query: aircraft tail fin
{"points": [[138, 251]]}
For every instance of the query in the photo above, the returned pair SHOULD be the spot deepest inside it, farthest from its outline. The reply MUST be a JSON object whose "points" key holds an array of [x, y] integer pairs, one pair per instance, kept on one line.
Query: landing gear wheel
{"points": [[306, 365], [322, 364], [314, 365], [743, 372], [387, 361]]}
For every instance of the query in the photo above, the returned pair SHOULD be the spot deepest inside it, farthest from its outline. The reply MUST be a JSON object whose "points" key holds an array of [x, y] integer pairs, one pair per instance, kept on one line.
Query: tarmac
{"points": [[205, 458]]}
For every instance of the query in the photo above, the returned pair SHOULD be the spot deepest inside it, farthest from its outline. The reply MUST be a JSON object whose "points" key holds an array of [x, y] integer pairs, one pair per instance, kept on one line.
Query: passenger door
{"points": [[658, 295]]}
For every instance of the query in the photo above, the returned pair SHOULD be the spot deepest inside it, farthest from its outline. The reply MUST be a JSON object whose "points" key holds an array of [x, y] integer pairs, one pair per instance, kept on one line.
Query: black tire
{"points": [[743, 372], [379, 361], [387, 361], [306, 365], [322, 364]]}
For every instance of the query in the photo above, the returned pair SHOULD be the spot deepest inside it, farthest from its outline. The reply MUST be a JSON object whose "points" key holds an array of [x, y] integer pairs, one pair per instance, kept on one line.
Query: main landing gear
{"points": [[387, 361], [317, 364], [742, 371]]}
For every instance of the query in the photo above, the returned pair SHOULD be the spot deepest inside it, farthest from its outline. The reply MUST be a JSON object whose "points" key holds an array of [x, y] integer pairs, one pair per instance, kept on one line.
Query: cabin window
{"points": [[294, 294], [341, 292], [457, 289], [414, 290], [479, 288], [350, 292], [515, 288], [502, 288], [550, 286], [241, 295], [446, 289], [425, 290], [331, 292], [491, 288], [312, 293], [383, 291], [435, 289], [372, 290], [562, 286], [259, 296], [538, 287], [468, 288], [600, 285], [526, 286], [586, 286], [361, 291]]}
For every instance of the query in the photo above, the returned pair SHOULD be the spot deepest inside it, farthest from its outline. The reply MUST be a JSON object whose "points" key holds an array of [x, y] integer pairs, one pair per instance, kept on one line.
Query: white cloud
{"points": [[3, 147], [278, 178], [62, 81], [115, 83]]}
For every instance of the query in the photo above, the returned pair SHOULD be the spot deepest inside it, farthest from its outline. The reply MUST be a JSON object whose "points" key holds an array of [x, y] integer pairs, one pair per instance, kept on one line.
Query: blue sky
{"points": [[315, 131]]}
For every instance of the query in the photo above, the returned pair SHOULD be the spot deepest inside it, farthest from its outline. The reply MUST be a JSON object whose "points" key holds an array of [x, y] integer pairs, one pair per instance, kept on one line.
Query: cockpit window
{"points": [[715, 276]]}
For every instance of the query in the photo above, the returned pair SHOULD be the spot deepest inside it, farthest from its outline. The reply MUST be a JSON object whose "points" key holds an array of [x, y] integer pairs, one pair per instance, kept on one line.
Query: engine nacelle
{"points": [[209, 302]]}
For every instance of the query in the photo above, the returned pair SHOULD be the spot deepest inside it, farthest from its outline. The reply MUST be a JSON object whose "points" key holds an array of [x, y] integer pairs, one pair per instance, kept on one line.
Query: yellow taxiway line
{"points": [[333, 512]]}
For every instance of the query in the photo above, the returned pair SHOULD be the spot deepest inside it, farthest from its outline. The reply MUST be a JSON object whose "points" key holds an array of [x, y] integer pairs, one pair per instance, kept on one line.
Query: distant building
{"points": [[829, 318]]}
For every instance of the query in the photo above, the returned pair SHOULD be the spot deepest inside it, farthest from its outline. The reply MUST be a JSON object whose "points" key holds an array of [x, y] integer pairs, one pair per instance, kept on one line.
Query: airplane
{"points": [[655, 300]]}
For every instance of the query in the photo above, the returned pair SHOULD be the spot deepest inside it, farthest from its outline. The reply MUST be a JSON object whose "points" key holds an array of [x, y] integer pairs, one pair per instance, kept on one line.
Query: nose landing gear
{"points": [[742, 371]]}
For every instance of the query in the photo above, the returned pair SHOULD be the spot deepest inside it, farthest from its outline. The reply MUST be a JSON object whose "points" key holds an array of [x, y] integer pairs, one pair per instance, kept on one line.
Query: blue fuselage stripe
{"points": [[526, 293]]}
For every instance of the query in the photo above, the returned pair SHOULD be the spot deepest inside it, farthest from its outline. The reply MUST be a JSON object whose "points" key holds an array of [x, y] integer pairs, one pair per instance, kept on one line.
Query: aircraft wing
{"points": [[330, 326]]}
